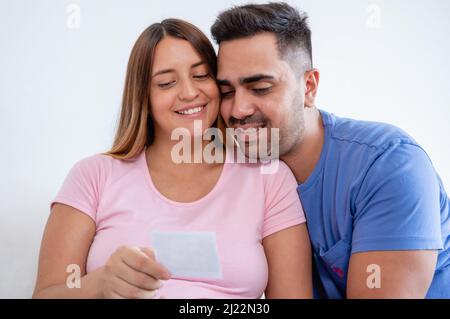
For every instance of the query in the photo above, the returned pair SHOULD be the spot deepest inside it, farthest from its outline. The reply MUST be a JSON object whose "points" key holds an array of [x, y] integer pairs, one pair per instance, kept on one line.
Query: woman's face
{"points": [[182, 89]]}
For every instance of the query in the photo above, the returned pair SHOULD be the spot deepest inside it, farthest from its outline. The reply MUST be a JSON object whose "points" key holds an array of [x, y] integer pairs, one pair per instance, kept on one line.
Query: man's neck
{"points": [[303, 159]]}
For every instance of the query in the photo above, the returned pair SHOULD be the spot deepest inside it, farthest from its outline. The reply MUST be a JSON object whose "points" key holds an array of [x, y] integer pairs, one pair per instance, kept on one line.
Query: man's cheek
{"points": [[270, 113]]}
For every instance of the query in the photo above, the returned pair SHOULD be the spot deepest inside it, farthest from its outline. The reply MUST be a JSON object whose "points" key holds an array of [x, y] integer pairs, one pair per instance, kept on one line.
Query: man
{"points": [[377, 212]]}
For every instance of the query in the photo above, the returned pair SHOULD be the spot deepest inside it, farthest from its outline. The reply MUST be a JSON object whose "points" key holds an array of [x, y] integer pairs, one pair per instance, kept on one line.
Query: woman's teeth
{"points": [[191, 111]]}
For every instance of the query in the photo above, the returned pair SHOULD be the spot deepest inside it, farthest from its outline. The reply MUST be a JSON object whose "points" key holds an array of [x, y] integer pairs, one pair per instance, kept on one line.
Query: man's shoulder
{"points": [[360, 146], [370, 134]]}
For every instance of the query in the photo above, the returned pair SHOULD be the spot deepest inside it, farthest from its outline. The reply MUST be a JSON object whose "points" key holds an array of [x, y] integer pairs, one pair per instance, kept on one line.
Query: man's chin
{"points": [[252, 153]]}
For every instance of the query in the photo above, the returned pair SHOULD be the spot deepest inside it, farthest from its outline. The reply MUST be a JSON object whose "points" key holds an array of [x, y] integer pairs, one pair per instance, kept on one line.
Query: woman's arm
{"points": [[130, 272], [289, 258], [67, 238]]}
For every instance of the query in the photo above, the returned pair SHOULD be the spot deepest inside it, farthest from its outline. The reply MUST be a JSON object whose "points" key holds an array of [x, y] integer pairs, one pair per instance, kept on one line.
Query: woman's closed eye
{"points": [[165, 84], [201, 76]]}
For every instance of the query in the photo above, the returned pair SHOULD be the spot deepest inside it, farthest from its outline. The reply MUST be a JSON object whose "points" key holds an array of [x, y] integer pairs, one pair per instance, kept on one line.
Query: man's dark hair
{"points": [[288, 24]]}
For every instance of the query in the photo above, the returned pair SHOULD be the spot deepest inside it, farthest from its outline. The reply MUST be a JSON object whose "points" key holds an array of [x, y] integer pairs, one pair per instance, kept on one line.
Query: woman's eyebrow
{"points": [[197, 64], [172, 70], [163, 72]]}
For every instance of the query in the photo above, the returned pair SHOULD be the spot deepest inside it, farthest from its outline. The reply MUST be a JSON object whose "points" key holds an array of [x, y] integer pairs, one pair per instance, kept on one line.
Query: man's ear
{"points": [[311, 78]]}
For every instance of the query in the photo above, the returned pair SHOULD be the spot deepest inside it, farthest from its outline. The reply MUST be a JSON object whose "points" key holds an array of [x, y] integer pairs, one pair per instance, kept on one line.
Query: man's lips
{"points": [[248, 132], [249, 126]]}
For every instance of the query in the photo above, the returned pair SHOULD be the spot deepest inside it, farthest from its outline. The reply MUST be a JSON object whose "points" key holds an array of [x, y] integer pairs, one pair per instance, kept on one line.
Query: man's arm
{"points": [[402, 274], [396, 226]]}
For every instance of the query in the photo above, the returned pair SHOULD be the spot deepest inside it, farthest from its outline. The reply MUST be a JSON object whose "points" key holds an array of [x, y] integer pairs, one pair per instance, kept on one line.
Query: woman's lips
{"points": [[192, 112]]}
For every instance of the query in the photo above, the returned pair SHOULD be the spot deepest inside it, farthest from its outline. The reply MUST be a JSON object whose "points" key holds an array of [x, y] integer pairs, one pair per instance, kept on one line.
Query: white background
{"points": [[61, 85]]}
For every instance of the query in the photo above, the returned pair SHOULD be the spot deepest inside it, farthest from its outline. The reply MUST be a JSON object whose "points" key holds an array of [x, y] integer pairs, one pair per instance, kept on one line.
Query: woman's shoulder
{"points": [[276, 171], [269, 171], [94, 161], [103, 164], [99, 170], [273, 166], [102, 160]]}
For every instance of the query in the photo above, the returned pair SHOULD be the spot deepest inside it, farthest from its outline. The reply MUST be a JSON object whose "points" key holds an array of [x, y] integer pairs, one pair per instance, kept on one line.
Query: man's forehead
{"points": [[248, 56], [260, 46]]}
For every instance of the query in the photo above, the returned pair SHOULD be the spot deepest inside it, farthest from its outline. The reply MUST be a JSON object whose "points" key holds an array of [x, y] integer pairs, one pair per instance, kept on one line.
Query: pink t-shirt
{"points": [[244, 207]]}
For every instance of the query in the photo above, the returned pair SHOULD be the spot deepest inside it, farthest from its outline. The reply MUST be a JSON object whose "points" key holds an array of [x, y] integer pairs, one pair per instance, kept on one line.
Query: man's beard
{"points": [[292, 136], [287, 137], [256, 118], [249, 140], [293, 133]]}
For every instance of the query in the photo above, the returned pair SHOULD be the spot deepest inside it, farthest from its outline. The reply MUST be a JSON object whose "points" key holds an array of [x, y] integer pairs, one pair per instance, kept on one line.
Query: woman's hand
{"points": [[132, 272]]}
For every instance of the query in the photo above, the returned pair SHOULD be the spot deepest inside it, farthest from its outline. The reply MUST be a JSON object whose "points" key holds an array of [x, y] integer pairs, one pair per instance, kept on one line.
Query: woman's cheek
{"points": [[161, 102]]}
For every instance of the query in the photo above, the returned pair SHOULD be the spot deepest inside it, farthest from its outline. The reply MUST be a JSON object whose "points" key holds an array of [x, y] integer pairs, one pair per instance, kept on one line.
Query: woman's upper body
{"points": [[243, 208]]}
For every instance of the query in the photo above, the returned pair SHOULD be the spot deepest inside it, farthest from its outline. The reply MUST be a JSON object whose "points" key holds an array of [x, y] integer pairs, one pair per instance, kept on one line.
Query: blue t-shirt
{"points": [[373, 189]]}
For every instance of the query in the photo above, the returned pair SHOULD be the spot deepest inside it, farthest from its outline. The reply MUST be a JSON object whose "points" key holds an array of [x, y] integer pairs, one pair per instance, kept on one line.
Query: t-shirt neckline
{"points": [[144, 165]]}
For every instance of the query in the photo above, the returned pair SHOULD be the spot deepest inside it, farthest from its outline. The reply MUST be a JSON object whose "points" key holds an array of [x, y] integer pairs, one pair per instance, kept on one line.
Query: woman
{"points": [[110, 203]]}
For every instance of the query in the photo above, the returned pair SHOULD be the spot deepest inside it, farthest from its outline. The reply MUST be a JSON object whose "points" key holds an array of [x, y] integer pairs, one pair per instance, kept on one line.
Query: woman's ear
{"points": [[311, 78]]}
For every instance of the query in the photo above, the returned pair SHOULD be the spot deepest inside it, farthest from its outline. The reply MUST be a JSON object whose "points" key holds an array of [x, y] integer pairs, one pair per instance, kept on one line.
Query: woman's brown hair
{"points": [[135, 129]]}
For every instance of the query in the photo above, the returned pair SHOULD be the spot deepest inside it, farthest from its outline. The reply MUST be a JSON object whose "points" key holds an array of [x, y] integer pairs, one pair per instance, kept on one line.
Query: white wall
{"points": [[61, 86]]}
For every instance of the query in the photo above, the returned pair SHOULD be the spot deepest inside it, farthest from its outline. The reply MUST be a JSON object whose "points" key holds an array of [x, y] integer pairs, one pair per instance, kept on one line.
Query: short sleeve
{"points": [[283, 207], [398, 205], [82, 186]]}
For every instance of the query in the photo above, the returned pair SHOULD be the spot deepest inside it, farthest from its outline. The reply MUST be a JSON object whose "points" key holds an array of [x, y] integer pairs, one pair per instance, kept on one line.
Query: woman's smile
{"points": [[192, 111]]}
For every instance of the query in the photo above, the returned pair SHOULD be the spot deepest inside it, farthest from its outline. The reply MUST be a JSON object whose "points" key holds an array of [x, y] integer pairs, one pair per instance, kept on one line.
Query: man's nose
{"points": [[243, 106], [188, 91]]}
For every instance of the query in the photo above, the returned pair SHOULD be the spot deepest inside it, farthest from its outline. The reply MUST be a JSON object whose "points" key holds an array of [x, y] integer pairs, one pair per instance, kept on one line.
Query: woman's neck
{"points": [[168, 155]]}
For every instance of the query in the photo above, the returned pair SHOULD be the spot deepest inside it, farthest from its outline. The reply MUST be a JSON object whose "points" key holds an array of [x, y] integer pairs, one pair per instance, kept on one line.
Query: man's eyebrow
{"points": [[255, 78], [247, 80], [172, 70], [223, 82]]}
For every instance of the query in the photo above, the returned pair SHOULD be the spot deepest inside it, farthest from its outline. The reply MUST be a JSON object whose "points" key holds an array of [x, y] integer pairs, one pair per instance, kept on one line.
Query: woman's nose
{"points": [[188, 91]]}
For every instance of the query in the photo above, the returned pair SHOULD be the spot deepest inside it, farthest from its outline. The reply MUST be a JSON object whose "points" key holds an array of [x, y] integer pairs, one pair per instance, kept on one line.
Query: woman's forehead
{"points": [[175, 51]]}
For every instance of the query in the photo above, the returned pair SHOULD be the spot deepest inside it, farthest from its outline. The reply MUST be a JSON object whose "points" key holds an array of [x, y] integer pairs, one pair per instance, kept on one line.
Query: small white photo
{"points": [[188, 254]]}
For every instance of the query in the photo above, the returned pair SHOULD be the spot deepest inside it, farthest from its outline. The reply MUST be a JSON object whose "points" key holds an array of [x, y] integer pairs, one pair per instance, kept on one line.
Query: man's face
{"points": [[260, 90]]}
